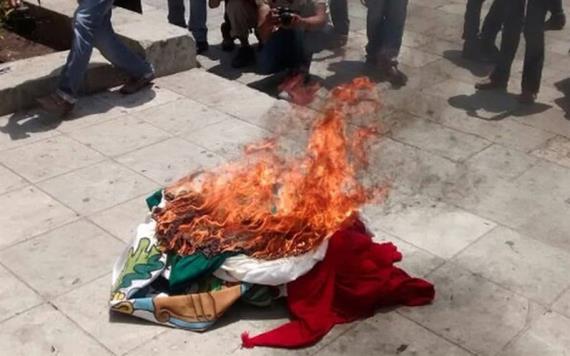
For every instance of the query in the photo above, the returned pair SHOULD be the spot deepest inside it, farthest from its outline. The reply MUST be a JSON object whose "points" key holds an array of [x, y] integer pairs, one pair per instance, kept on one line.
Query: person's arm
{"points": [[266, 22], [312, 22]]}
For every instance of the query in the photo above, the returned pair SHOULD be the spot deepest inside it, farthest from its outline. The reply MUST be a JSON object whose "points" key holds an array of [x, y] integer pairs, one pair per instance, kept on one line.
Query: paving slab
{"points": [[521, 264], [15, 296], [88, 307], [170, 160], [390, 334], [548, 336], [97, 187], [468, 305], [45, 331], [50, 157], [32, 212], [439, 228], [116, 137], [65, 258], [9, 180]]}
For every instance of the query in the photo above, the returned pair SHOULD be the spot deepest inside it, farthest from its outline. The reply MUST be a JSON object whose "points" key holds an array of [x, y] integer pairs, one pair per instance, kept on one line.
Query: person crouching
{"points": [[285, 29]]}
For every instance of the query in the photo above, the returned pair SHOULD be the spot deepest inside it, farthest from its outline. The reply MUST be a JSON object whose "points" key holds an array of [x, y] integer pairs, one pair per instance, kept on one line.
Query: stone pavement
{"points": [[479, 204]]}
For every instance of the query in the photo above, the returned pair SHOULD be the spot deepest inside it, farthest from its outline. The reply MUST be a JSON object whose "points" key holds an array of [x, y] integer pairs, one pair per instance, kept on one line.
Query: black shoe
{"points": [[470, 50], [556, 22], [527, 98], [201, 47], [228, 44], [489, 84], [244, 57]]}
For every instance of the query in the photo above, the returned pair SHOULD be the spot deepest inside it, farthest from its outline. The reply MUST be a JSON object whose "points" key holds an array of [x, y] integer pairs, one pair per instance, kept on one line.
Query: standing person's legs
{"points": [[107, 42], [392, 30], [339, 16], [534, 54], [197, 24], [557, 19], [242, 16], [374, 18], [493, 23], [472, 20], [176, 13], [512, 27]]}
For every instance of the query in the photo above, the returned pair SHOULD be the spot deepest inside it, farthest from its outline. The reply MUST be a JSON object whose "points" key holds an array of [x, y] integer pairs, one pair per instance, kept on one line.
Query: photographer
{"points": [[286, 30]]}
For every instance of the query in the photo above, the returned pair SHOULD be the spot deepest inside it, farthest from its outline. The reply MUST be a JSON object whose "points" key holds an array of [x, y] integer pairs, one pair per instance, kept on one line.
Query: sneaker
{"points": [[134, 85], [228, 44], [527, 97], [556, 22], [489, 84], [201, 47], [56, 105], [244, 57]]}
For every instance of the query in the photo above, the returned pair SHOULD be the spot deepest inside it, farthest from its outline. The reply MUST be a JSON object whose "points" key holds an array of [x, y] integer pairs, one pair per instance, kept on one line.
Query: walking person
{"points": [[385, 22], [197, 22], [92, 27]]}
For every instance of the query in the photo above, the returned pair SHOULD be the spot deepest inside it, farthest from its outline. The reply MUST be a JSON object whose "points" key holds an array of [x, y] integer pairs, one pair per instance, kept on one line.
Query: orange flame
{"points": [[269, 206]]}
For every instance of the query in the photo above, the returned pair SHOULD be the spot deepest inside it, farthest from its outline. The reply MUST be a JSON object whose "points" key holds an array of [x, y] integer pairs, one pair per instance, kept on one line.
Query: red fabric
{"points": [[356, 277]]}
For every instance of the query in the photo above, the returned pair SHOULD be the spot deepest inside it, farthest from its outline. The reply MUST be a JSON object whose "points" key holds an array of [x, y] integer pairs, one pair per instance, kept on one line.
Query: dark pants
{"points": [[285, 49], [339, 16], [556, 7], [491, 25], [534, 37], [133, 5], [385, 22], [510, 40]]}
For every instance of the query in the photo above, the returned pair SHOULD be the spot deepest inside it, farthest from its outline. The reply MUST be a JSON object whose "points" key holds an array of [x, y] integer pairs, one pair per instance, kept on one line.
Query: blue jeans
{"points": [[92, 27], [385, 21], [198, 17]]}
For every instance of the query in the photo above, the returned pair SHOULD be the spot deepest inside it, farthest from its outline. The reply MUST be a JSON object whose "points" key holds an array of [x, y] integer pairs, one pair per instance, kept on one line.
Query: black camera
{"points": [[285, 15]]}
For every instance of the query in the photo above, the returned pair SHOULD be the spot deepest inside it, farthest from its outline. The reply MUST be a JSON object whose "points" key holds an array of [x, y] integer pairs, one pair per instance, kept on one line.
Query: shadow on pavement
{"points": [[564, 103], [478, 69], [494, 105], [21, 124]]}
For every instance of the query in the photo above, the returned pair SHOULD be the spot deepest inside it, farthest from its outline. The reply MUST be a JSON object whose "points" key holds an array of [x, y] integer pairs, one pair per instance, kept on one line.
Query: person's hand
{"points": [[14, 3]]}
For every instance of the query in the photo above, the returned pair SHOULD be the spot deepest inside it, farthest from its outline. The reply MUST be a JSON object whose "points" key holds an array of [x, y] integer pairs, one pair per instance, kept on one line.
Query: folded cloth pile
{"points": [[344, 279]]}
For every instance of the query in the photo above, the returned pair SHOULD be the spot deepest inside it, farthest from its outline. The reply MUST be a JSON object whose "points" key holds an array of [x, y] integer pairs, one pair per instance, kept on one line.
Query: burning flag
{"points": [[271, 206]]}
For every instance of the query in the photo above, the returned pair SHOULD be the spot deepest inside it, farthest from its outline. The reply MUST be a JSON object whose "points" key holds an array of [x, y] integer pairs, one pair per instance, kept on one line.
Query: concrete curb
{"points": [[170, 49]]}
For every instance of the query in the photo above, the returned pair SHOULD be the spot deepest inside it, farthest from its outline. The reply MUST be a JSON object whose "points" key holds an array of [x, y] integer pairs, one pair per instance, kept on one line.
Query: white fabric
{"points": [[271, 273]]}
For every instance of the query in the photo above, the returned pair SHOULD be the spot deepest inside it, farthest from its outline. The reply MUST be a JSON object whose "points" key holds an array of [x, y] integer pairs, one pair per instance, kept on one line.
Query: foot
{"points": [[228, 44], [244, 57], [134, 85], [527, 97], [556, 22], [489, 84], [201, 47], [56, 105]]}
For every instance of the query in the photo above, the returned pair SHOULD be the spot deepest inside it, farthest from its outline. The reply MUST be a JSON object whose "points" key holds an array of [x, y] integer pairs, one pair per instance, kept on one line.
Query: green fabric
{"points": [[187, 269], [154, 199], [259, 296]]}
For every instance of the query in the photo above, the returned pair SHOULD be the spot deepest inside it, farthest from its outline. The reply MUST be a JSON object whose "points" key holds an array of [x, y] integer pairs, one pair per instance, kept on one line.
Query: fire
{"points": [[270, 206]]}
